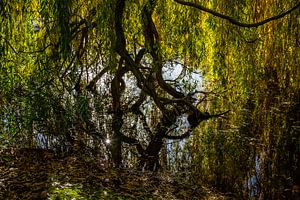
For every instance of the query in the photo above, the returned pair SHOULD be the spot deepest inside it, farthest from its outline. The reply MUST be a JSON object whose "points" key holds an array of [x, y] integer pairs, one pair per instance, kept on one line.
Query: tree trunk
{"points": [[150, 160], [116, 152]]}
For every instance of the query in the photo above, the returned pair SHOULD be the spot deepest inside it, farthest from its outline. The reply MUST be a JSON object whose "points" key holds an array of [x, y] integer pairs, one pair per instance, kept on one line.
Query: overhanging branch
{"points": [[92, 84], [152, 43], [133, 141], [220, 114], [179, 137], [142, 82], [234, 21]]}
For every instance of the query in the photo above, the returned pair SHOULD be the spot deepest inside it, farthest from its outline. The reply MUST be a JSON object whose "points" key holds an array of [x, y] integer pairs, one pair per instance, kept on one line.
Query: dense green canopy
{"points": [[132, 80]]}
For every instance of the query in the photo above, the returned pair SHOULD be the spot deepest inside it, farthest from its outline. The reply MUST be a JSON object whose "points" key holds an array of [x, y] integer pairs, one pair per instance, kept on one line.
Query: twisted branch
{"points": [[234, 21]]}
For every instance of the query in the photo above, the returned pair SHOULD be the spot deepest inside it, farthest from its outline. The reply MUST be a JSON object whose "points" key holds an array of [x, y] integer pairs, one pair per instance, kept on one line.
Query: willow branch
{"points": [[152, 42], [145, 85], [92, 84], [234, 21], [135, 108], [219, 115], [7, 42], [133, 141], [178, 137], [139, 56]]}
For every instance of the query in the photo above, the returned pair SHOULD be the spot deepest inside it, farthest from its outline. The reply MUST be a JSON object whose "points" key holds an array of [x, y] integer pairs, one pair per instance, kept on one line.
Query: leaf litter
{"points": [[40, 174]]}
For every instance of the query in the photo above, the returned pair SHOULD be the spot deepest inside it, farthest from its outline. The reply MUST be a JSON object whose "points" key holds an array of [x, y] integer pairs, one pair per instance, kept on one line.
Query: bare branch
{"points": [[7, 42], [219, 115], [179, 137], [234, 21], [133, 141], [92, 84], [147, 86], [140, 55], [152, 42], [135, 108]]}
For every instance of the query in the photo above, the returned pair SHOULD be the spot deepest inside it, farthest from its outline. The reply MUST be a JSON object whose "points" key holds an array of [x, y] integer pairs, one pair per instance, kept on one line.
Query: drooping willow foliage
{"points": [[132, 80], [255, 149]]}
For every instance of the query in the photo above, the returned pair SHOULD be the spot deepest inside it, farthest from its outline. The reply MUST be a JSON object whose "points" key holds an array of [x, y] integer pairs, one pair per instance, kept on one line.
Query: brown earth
{"points": [[40, 174]]}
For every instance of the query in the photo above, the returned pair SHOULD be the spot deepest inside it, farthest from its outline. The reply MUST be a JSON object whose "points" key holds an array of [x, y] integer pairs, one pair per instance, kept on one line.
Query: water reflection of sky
{"points": [[253, 182], [187, 81], [180, 77]]}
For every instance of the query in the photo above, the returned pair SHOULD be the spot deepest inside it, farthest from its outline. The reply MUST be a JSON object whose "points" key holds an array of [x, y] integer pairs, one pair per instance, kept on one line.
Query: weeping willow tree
{"points": [[255, 149], [93, 75]]}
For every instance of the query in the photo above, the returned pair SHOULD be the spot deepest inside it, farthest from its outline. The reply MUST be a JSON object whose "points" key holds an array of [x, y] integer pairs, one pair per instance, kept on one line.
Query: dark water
{"points": [[252, 183]]}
